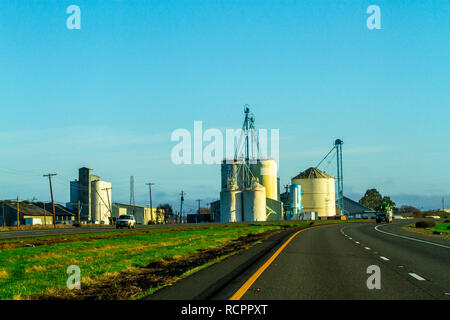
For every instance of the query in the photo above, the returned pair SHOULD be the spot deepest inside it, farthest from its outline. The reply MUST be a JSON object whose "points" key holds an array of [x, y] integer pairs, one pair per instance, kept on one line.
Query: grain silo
{"points": [[231, 203], [101, 201], [318, 193], [266, 171], [228, 168], [254, 202]]}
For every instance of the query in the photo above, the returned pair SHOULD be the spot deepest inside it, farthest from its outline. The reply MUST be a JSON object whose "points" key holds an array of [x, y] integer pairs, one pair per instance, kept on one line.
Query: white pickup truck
{"points": [[126, 221]]}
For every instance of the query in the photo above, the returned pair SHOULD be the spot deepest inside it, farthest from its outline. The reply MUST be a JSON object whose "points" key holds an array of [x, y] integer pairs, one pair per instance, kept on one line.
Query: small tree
{"points": [[371, 199], [168, 211], [374, 200]]}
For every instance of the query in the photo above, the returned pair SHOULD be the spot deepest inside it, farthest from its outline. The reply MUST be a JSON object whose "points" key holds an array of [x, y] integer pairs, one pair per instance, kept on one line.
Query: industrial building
{"points": [[33, 213], [250, 187], [249, 184], [93, 196], [142, 214], [355, 210]]}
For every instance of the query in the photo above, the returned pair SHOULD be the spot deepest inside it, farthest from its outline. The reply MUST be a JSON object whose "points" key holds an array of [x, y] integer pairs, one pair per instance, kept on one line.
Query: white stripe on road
{"points": [[416, 276], [367, 248], [384, 258], [357, 242], [396, 235]]}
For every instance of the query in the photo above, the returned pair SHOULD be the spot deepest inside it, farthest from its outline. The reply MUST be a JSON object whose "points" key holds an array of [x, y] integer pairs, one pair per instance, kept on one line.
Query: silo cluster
{"points": [[240, 202]]}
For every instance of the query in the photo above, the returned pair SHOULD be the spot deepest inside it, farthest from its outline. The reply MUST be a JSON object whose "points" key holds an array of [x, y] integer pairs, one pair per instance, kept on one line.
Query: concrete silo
{"points": [[318, 192], [101, 201], [255, 203], [228, 170], [231, 206], [266, 171]]}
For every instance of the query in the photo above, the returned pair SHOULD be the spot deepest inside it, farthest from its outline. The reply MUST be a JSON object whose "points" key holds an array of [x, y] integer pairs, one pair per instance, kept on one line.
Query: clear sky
{"points": [[108, 96]]}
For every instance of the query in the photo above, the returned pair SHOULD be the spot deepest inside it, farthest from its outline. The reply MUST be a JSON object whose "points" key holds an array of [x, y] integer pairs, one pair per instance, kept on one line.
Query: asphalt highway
{"points": [[331, 262]]}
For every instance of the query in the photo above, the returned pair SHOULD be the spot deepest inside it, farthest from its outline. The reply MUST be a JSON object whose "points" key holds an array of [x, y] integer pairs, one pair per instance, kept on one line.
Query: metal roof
{"points": [[312, 173], [352, 207]]}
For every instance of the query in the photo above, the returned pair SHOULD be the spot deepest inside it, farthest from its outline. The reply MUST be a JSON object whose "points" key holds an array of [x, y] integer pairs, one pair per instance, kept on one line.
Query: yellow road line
{"points": [[242, 290]]}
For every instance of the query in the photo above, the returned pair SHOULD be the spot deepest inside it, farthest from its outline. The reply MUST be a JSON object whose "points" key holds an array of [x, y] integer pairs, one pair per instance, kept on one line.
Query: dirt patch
{"points": [[136, 282]]}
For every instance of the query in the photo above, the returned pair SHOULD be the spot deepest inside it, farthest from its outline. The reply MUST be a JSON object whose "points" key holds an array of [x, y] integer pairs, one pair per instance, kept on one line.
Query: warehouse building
{"points": [[33, 213], [355, 210], [142, 214]]}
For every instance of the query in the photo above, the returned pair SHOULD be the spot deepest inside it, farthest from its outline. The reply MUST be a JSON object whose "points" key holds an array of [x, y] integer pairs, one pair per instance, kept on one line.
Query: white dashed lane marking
{"points": [[416, 276], [384, 258], [367, 248]]}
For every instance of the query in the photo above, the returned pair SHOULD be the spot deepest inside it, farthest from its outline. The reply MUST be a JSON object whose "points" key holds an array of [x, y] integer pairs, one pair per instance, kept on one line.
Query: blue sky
{"points": [[109, 95]]}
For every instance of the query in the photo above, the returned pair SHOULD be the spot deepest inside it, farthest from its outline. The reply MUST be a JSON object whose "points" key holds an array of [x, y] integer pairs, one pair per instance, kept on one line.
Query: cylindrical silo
{"points": [[266, 171], [228, 170], [231, 206], [318, 193], [101, 201], [255, 203]]}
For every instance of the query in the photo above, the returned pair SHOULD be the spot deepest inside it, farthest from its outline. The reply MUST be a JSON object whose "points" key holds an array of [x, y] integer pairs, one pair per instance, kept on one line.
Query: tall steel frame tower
{"points": [[340, 175]]}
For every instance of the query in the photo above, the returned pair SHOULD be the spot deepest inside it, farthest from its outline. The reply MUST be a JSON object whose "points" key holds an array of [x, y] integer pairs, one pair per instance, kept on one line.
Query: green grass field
{"points": [[32, 270], [441, 227]]}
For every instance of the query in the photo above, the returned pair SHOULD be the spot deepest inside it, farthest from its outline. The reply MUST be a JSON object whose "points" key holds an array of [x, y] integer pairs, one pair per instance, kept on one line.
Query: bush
{"points": [[447, 221], [76, 225], [425, 224]]}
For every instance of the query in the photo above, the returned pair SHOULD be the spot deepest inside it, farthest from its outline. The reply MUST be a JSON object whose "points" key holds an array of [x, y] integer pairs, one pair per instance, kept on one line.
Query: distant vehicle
{"points": [[386, 215], [434, 217], [126, 221]]}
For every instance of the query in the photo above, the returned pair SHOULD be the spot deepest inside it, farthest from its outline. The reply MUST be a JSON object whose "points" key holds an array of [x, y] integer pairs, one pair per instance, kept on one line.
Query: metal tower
{"points": [[248, 145], [340, 173], [132, 202]]}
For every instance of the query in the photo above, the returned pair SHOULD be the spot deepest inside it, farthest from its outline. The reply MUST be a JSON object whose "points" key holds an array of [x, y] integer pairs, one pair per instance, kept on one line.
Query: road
{"points": [[331, 262]]}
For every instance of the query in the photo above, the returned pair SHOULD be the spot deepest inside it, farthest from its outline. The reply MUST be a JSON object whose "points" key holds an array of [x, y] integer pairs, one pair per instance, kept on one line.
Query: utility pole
{"points": [[45, 215], [109, 202], [51, 193], [287, 200], [181, 206], [151, 204], [78, 211], [198, 200], [3, 213], [443, 204], [18, 222]]}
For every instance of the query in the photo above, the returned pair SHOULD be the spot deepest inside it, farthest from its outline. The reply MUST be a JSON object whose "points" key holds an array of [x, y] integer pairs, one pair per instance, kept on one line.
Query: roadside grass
{"points": [[441, 227], [28, 271]]}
